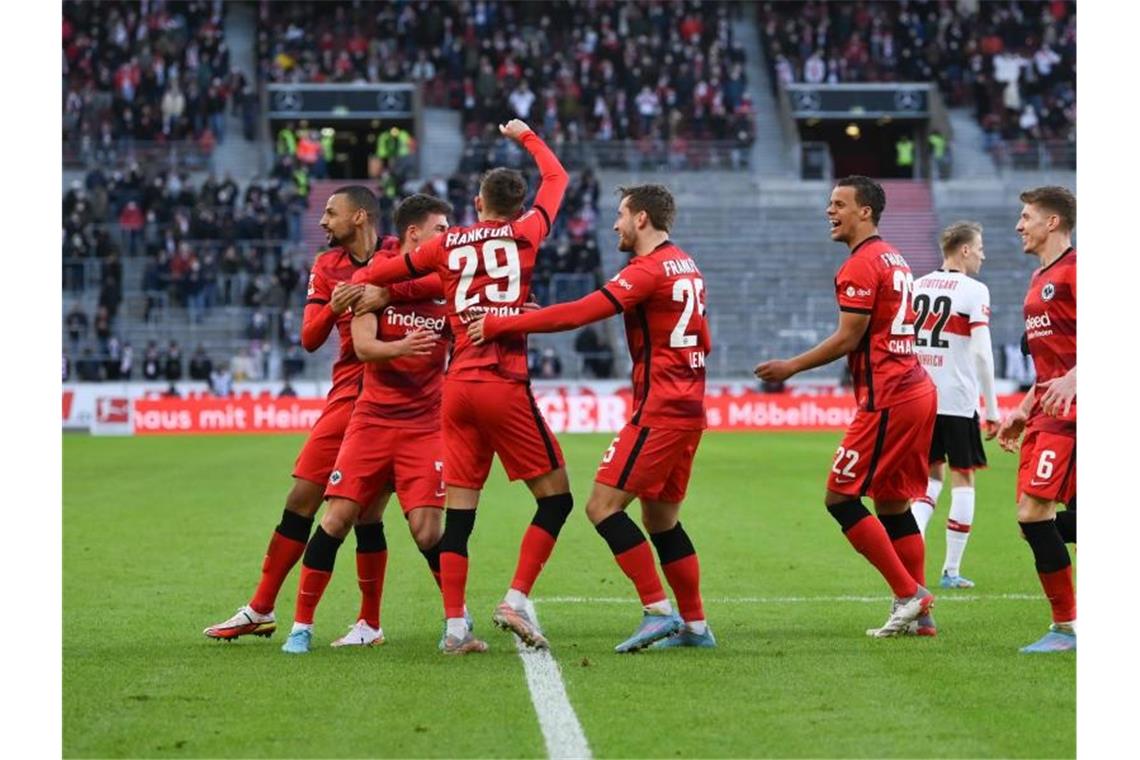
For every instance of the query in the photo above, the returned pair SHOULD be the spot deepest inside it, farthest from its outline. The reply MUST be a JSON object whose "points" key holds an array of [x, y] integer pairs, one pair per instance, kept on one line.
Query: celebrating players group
{"points": [[431, 382]]}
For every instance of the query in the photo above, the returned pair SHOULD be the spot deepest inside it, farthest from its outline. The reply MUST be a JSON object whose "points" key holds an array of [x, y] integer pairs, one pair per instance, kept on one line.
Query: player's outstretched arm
{"points": [[564, 316], [845, 339], [319, 317], [369, 348]]}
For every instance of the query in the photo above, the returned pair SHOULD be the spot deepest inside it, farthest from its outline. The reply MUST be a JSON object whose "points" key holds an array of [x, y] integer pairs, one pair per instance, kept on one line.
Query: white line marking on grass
{"points": [[556, 717], [799, 599]]}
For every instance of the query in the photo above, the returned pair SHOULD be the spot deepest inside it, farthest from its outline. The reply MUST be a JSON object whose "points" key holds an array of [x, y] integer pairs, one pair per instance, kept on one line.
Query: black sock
{"points": [[1049, 552], [1067, 525], [672, 544], [370, 538], [552, 512], [848, 513], [900, 526], [320, 554], [459, 524], [295, 526], [620, 532], [432, 556]]}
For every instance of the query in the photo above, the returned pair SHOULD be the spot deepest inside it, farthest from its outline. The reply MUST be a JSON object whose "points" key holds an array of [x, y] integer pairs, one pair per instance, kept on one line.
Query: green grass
{"points": [[163, 536]]}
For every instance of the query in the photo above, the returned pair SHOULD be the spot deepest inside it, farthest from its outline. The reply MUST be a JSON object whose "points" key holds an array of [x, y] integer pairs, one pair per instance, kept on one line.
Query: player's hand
{"points": [[530, 306], [475, 330], [372, 298], [1010, 430], [416, 343], [514, 129], [344, 295], [1059, 394], [990, 428], [774, 371]]}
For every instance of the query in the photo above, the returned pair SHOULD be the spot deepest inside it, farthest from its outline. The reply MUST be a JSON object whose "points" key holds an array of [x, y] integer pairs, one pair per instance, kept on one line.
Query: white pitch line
{"points": [[799, 599], [556, 717]]}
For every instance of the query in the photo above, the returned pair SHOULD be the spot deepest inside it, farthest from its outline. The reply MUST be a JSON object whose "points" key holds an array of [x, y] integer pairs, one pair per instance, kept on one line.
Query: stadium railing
{"points": [[1040, 155], [182, 154], [632, 154]]}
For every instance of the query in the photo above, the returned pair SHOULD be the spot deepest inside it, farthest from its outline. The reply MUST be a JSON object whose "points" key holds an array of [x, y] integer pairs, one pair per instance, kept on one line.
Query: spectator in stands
{"points": [[294, 363], [549, 365], [200, 365], [66, 368], [131, 222], [102, 328], [76, 323], [287, 390], [152, 362], [88, 369], [113, 359], [172, 362], [596, 354], [243, 367], [127, 362], [221, 381]]}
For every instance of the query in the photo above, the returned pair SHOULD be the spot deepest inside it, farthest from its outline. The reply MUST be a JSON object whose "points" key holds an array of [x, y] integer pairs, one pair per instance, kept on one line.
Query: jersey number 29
{"points": [[467, 258]]}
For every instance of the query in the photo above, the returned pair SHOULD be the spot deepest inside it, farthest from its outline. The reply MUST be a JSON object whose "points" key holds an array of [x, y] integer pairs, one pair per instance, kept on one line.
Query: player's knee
{"points": [[339, 518], [552, 512], [304, 498], [426, 526]]}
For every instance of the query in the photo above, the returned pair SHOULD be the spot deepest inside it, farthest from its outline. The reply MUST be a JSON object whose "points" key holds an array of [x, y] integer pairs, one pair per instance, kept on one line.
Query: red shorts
{"points": [[651, 463], [1048, 466], [318, 455], [884, 454], [375, 458], [481, 419]]}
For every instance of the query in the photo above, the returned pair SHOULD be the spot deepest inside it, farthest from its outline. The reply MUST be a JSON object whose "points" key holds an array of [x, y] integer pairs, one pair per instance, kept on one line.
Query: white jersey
{"points": [[949, 306]]}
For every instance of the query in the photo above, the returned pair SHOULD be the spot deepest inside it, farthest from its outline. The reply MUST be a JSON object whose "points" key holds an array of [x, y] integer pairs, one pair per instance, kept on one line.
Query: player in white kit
{"points": [[952, 340]]}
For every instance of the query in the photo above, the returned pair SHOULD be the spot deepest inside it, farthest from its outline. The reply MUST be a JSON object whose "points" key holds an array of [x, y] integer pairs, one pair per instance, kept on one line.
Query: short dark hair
{"points": [[415, 209], [1056, 200], [503, 191], [868, 192], [655, 200], [361, 197], [957, 235]]}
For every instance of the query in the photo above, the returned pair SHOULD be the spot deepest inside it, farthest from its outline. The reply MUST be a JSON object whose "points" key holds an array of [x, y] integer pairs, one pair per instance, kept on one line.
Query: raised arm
{"points": [[535, 224]]}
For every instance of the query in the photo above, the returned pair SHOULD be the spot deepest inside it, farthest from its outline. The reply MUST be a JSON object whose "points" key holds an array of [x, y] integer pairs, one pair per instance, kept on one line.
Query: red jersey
{"points": [[486, 268], [876, 281], [662, 295], [1051, 321], [406, 392], [337, 265], [331, 267]]}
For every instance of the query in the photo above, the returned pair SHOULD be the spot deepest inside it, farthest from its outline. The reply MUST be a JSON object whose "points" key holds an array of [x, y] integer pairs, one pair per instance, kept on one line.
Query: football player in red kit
{"points": [[1047, 473], [661, 295], [392, 443], [488, 407], [883, 454]]}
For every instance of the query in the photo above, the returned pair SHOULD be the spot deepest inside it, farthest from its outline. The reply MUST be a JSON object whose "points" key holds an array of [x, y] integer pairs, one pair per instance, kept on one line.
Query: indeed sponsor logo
{"points": [[414, 321], [1038, 322]]}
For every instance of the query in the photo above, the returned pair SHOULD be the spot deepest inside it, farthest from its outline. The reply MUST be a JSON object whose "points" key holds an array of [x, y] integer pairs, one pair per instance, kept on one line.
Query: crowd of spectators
{"points": [[1014, 62], [606, 71], [150, 72]]}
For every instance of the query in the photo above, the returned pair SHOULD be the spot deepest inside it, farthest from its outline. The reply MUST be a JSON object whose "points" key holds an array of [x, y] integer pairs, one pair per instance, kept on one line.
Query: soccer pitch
{"points": [[163, 536]]}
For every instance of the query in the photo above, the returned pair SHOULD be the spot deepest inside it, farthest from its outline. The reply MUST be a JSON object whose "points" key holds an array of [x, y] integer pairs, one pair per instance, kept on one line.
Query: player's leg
{"points": [[287, 544], [1067, 521], [958, 525], [1047, 476], [317, 568], [682, 569], [606, 510], [466, 464], [924, 505], [371, 566], [529, 452]]}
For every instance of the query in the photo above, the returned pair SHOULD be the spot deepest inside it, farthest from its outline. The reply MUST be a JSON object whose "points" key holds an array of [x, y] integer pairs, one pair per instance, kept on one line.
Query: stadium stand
{"points": [[140, 81], [1014, 63]]}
